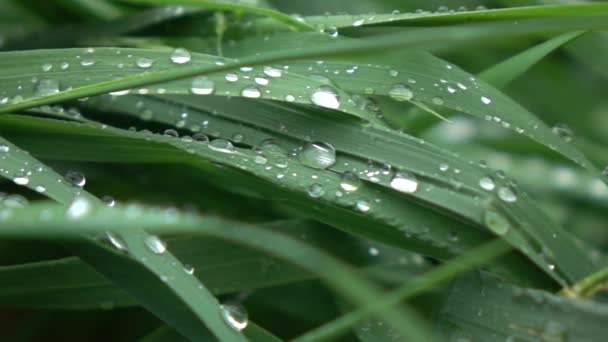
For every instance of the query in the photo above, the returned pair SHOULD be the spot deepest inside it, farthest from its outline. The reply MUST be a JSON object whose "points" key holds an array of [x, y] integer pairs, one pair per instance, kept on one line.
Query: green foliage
{"points": [[257, 175]]}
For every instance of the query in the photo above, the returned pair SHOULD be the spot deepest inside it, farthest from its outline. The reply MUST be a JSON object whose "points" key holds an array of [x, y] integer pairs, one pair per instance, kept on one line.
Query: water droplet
{"points": [[79, 208], [235, 315], [108, 200], [373, 251], [444, 167], [251, 92], [363, 205], [487, 183], [485, 100], [202, 86], [4, 148], [170, 132], [221, 145], [144, 62], [231, 77], [75, 178], [405, 182], [358, 22], [200, 137], [318, 155], [401, 92], [261, 81], [47, 67], [180, 56], [349, 181], [496, 222], [438, 101], [325, 96], [21, 180], [507, 194], [87, 62], [563, 131], [332, 31], [40, 188], [46, 86], [116, 242], [316, 190], [189, 269], [272, 72], [154, 244]]}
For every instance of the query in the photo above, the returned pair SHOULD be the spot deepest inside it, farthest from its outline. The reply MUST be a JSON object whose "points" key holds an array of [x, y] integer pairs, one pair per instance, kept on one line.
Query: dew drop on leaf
{"points": [[144, 62], [116, 242], [154, 244], [79, 208], [251, 92], [316, 190], [404, 182], [362, 205], [349, 181], [401, 92], [46, 86], [235, 315], [180, 56], [487, 183], [221, 145], [202, 86], [563, 131], [507, 194], [318, 155], [325, 96], [75, 178]]}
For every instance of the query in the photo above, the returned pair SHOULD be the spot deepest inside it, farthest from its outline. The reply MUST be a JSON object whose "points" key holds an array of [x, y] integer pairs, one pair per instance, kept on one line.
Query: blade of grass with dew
{"points": [[225, 267], [394, 214], [449, 18], [25, 222], [26, 171], [509, 311], [418, 76], [394, 153]]}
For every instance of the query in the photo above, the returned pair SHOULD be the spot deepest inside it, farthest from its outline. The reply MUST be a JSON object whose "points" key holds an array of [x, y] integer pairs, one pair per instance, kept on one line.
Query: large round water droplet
{"points": [[404, 182], [4, 148], [75, 178], [401, 92], [318, 155], [251, 92], [349, 181], [507, 194], [487, 183], [325, 96], [316, 190], [180, 56], [154, 244], [235, 315], [46, 86], [202, 86]]}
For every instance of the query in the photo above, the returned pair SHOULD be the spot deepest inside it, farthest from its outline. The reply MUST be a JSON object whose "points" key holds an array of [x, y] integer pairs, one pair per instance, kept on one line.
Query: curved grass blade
{"points": [[450, 18], [238, 6], [160, 299], [25, 223], [501, 74]]}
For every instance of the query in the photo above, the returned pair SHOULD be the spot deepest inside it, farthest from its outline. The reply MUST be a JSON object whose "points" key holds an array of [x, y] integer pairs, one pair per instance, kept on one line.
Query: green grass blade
{"points": [[244, 6], [27, 171]]}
